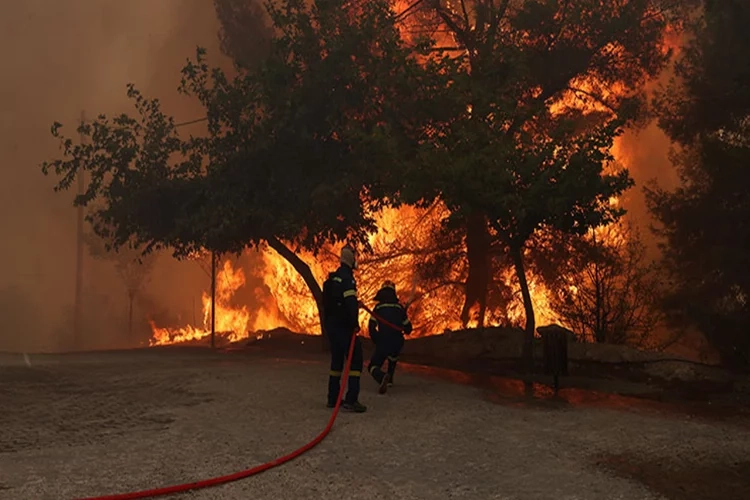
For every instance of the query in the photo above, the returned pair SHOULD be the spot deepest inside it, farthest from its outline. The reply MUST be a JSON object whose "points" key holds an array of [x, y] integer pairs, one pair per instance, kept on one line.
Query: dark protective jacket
{"points": [[345, 313], [390, 310]]}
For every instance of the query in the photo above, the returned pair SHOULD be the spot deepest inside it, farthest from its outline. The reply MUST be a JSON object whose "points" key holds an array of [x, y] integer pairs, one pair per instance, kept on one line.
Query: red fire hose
{"points": [[207, 483], [379, 318]]}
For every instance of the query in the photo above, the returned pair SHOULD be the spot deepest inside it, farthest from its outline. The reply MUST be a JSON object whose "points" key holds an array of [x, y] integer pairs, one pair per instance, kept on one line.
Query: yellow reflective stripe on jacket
{"points": [[336, 278], [406, 321], [334, 373], [350, 293], [381, 306], [355, 373]]}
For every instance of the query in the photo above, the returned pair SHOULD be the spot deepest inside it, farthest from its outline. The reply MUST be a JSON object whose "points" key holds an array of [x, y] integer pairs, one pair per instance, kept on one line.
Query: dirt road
{"points": [[99, 423]]}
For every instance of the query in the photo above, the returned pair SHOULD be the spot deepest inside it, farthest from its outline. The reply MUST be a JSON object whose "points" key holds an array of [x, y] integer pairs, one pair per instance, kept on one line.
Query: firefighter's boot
{"points": [[355, 407]]}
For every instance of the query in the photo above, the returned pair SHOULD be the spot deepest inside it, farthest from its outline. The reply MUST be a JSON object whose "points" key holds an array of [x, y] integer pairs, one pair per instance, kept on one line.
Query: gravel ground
{"points": [[103, 423]]}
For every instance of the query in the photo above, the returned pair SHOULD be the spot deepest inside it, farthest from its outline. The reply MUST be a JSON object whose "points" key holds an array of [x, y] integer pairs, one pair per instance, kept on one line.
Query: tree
{"points": [[608, 292], [704, 223], [537, 92], [327, 95], [130, 263], [246, 31]]}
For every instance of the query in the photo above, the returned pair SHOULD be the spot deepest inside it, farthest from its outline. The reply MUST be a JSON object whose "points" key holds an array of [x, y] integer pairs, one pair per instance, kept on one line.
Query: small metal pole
{"points": [[78, 313], [213, 299]]}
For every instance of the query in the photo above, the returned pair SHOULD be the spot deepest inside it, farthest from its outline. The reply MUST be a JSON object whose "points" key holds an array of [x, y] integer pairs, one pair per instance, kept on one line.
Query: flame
{"points": [[286, 301], [403, 234], [232, 323]]}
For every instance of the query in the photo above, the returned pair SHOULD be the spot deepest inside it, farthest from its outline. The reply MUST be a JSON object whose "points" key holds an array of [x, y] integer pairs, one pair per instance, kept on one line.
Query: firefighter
{"points": [[341, 316], [387, 328]]}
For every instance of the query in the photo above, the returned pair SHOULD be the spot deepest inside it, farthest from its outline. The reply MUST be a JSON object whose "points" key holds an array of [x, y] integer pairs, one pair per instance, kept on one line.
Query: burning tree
{"points": [[704, 223], [300, 151], [607, 292], [535, 94]]}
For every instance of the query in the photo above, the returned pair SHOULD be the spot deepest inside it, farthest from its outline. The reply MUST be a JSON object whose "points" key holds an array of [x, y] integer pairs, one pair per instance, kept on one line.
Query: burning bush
{"points": [[607, 292]]}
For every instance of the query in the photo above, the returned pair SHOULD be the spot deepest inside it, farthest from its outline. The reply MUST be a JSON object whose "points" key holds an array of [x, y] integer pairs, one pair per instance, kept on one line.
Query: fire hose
{"points": [[207, 483], [216, 481], [380, 318]]}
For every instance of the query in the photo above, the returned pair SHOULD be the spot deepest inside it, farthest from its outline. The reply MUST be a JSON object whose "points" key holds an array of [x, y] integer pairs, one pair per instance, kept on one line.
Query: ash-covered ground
{"points": [[88, 424]]}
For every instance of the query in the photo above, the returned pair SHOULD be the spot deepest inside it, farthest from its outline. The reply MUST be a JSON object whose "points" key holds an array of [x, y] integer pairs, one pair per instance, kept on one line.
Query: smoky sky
{"points": [[62, 57]]}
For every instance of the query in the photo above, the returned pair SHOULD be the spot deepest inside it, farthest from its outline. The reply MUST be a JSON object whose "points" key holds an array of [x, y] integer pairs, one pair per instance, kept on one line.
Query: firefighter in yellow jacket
{"points": [[341, 316], [387, 328]]}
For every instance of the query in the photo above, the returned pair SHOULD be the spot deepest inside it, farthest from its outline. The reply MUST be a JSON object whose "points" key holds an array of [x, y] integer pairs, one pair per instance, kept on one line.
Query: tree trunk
{"points": [[131, 297], [600, 335], [307, 275], [527, 356], [478, 254]]}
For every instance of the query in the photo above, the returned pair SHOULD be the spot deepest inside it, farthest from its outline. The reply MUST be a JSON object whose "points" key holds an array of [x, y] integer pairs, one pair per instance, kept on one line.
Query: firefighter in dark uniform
{"points": [[341, 313], [387, 329]]}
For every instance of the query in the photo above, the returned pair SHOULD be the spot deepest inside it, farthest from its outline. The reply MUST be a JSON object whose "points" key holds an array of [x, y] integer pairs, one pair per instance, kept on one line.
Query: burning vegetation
{"points": [[472, 150], [428, 265]]}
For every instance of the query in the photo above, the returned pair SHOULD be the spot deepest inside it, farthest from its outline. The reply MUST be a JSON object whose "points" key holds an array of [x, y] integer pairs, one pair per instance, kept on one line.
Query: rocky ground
{"points": [[89, 424]]}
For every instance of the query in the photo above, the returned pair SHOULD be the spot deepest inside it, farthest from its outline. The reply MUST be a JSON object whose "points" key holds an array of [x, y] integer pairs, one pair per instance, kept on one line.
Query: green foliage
{"points": [[335, 117], [301, 148], [709, 90], [531, 148], [246, 31], [704, 222], [534, 94], [129, 167]]}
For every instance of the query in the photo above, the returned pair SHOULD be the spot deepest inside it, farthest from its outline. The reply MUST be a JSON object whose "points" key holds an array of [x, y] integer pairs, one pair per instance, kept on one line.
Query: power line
{"points": [[197, 120]]}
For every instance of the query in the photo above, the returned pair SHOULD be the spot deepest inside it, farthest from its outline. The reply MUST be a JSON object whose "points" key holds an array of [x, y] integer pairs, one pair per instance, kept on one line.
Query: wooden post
{"points": [[78, 312], [213, 299]]}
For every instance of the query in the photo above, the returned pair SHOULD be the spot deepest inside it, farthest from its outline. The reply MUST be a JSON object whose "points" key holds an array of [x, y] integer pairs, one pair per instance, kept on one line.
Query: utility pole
{"points": [[213, 298], [78, 319]]}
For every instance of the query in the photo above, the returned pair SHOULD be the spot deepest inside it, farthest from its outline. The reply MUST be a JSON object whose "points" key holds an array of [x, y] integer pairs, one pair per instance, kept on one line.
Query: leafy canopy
{"points": [[302, 148], [535, 94], [704, 223]]}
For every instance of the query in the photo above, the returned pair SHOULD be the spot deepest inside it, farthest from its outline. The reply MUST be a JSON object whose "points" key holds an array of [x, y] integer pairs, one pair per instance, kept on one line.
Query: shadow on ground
{"points": [[676, 480]]}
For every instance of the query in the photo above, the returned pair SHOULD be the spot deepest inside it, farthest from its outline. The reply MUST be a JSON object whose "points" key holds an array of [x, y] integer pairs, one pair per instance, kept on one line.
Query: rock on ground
{"points": [[103, 423]]}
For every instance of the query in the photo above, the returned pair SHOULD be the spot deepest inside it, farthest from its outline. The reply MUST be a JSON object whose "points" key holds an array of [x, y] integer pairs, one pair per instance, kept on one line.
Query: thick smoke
{"points": [[61, 58]]}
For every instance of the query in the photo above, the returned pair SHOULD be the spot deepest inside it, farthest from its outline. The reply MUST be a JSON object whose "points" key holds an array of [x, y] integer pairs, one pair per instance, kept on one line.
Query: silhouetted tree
{"points": [[705, 222], [609, 292], [301, 149], [131, 264], [537, 92], [246, 31]]}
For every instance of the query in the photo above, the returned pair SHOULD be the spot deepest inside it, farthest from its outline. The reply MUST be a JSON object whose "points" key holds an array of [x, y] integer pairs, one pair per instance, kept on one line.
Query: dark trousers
{"points": [[340, 339], [387, 347]]}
